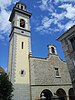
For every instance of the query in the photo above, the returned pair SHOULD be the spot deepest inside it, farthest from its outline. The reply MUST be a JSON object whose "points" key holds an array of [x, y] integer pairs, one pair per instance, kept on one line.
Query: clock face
{"points": [[22, 23]]}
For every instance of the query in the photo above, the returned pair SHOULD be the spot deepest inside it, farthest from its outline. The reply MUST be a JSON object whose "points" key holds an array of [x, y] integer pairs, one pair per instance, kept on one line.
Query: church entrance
{"points": [[47, 94], [71, 94], [61, 94]]}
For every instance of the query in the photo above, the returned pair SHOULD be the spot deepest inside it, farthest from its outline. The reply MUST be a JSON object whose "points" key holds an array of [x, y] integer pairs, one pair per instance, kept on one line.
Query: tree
{"points": [[6, 87]]}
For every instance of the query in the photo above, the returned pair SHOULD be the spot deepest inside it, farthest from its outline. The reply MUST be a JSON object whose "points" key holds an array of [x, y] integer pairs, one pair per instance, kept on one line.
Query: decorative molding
{"points": [[54, 85]]}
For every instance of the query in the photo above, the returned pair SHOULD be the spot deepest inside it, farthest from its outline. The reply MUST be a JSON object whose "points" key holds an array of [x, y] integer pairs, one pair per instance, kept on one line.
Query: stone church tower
{"points": [[19, 50]]}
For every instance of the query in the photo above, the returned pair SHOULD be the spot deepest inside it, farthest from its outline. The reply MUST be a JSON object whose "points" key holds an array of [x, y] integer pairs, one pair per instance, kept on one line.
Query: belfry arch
{"points": [[47, 93], [71, 94], [61, 94]]}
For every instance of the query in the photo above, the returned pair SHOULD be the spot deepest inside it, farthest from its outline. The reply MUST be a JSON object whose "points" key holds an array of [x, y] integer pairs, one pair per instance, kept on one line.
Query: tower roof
{"points": [[51, 45], [17, 8], [21, 4]]}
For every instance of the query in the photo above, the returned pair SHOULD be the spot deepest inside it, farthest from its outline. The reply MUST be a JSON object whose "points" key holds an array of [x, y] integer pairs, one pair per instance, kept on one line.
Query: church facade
{"points": [[34, 77]]}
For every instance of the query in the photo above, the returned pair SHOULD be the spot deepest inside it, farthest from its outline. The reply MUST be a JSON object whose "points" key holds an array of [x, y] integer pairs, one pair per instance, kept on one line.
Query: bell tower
{"points": [[19, 50], [52, 50]]}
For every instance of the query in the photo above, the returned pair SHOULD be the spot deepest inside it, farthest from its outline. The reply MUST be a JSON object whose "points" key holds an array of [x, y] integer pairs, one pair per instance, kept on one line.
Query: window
{"points": [[22, 73], [18, 6], [57, 71], [22, 7], [52, 49], [72, 40], [22, 45], [22, 23]]}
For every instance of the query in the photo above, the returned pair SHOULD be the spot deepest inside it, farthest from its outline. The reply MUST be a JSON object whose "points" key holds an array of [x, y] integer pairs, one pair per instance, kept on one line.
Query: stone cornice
{"points": [[67, 33]]}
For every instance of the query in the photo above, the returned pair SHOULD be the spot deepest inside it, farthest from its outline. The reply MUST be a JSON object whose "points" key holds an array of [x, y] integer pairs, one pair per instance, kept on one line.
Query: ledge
{"points": [[58, 76]]}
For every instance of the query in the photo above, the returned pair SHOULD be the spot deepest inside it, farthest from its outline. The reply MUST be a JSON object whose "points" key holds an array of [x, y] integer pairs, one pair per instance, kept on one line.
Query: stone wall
{"points": [[68, 44], [43, 75], [21, 92], [43, 71], [70, 57]]}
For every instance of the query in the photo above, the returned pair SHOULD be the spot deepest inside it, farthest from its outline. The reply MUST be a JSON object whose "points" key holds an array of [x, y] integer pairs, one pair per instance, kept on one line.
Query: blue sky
{"points": [[50, 19]]}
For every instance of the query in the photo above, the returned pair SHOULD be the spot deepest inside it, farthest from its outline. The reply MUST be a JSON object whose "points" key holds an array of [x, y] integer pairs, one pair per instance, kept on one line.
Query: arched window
{"points": [[47, 94], [17, 6], [22, 23], [21, 7], [57, 71], [71, 94], [61, 94], [53, 50]]}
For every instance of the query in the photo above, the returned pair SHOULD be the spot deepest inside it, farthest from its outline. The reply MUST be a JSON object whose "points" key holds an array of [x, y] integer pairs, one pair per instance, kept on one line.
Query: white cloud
{"points": [[60, 26], [4, 21], [14, 1], [4, 3], [46, 5], [55, 20], [43, 4], [4, 17], [65, 0], [45, 24], [59, 18], [69, 25], [70, 10]]}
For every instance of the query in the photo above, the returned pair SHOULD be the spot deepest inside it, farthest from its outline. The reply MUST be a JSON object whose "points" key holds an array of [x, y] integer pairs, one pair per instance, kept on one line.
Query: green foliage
{"points": [[6, 87]]}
